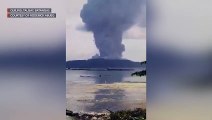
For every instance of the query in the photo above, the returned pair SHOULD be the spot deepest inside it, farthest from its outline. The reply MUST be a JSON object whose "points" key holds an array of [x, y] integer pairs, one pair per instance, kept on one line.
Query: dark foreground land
{"points": [[137, 114]]}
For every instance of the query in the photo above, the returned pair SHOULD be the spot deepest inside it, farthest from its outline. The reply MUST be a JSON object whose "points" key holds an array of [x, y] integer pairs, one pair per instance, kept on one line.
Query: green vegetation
{"points": [[140, 73], [137, 114]]}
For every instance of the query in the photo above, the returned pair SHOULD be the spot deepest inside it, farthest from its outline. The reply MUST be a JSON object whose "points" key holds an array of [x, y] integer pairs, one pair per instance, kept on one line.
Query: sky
{"points": [[80, 43]]}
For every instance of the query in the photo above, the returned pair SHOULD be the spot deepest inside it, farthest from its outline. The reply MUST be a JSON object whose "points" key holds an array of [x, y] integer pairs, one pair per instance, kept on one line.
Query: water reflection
{"points": [[96, 91], [107, 99]]}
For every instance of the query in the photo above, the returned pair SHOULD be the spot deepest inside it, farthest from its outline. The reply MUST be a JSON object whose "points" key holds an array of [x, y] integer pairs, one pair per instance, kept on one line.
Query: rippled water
{"points": [[96, 91]]}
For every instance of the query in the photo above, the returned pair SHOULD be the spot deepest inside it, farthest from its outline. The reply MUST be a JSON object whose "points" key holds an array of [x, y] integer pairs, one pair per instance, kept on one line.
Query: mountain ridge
{"points": [[102, 63]]}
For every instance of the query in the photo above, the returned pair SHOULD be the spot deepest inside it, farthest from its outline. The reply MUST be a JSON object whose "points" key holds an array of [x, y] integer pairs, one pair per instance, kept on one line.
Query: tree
{"points": [[140, 73]]}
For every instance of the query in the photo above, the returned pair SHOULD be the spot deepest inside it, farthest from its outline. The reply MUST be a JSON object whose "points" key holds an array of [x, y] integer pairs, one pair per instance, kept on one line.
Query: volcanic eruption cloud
{"points": [[108, 19]]}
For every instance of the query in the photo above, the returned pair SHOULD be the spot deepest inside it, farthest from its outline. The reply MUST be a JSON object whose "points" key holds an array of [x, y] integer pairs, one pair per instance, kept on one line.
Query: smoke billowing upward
{"points": [[108, 19]]}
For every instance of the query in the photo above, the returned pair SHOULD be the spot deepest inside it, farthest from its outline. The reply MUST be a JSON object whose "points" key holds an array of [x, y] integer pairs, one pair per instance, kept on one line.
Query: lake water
{"points": [[96, 91]]}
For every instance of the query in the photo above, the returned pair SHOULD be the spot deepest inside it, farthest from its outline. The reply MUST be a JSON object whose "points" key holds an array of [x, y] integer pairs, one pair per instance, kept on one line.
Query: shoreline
{"points": [[137, 114]]}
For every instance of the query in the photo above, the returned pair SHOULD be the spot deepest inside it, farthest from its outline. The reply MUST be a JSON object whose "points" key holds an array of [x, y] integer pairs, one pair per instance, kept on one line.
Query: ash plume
{"points": [[108, 19]]}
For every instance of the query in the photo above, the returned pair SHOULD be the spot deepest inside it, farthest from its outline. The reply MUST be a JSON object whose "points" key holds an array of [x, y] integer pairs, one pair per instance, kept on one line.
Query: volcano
{"points": [[101, 63]]}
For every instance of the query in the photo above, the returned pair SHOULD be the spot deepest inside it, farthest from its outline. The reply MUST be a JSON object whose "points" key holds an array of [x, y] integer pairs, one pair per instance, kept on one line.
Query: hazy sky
{"points": [[80, 44]]}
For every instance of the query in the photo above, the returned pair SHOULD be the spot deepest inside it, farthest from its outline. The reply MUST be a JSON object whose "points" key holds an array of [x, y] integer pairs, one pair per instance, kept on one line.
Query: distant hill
{"points": [[102, 64]]}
